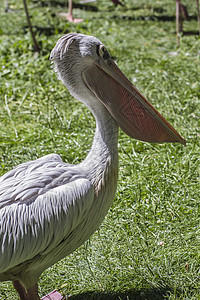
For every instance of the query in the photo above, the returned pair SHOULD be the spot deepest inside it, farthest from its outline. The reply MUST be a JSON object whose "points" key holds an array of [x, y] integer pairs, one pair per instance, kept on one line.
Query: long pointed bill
{"points": [[130, 109]]}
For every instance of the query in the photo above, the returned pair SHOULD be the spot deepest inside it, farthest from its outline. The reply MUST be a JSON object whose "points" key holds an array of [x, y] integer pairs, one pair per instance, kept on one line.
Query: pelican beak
{"points": [[130, 109]]}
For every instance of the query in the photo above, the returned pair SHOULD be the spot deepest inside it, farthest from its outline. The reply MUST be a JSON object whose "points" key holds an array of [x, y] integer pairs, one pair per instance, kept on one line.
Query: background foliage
{"points": [[148, 245]]}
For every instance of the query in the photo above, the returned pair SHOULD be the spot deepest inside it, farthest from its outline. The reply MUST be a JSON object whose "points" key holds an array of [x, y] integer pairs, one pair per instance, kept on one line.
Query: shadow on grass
{"points": [[154, 294], [192, 32], [162, 18], [48, 31], [57, 3]]}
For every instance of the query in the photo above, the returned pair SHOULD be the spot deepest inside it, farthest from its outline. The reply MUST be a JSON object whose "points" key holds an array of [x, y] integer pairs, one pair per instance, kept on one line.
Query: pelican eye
{"points": [[103, 52]]}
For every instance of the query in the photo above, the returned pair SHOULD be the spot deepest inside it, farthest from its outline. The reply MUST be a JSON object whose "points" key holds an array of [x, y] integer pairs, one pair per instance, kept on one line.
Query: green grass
{"points": [[148, 247]]}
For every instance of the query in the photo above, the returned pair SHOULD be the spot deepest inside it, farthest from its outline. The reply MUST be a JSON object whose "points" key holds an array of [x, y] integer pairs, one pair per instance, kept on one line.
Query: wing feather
{"points": [[37, 228], [41, 203], [26, 181]]}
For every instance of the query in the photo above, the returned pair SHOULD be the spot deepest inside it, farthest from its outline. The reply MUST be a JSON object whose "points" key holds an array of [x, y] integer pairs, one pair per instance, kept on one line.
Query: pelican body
{"points": [[48, 208]]}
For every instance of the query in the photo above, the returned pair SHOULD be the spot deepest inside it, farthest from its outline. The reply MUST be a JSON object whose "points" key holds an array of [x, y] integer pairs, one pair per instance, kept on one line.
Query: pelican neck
{"points": [[104, 145]]}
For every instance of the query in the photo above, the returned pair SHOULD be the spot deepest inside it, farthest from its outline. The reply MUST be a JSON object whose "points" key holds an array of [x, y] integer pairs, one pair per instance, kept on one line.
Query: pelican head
{"points": [[73, 54], [86, 68]]}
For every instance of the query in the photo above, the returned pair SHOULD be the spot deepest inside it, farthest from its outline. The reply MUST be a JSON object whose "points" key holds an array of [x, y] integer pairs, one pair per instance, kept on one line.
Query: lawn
{"points": [[148, 246]]}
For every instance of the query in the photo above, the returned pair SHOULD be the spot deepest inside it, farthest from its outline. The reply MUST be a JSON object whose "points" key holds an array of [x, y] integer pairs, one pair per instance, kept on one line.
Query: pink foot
{"points": [[72, 20], [54, 295], [69, 17]]}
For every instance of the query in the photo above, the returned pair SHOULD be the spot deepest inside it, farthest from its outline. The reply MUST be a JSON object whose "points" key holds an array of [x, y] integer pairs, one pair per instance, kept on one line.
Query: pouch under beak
{"points": [[130, 109]]}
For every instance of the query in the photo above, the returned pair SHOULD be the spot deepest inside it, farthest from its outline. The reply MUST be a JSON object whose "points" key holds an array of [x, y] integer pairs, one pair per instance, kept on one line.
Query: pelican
{"points": [[49, 208]]}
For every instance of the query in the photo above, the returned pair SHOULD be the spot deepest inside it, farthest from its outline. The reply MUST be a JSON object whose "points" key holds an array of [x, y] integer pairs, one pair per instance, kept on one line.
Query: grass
{"points": [[148, 244]]}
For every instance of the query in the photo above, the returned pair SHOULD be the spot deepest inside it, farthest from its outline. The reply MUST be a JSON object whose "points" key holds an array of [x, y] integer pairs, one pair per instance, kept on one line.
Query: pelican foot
{"points": [[54, 295], [72, 20], [69, 17]]}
